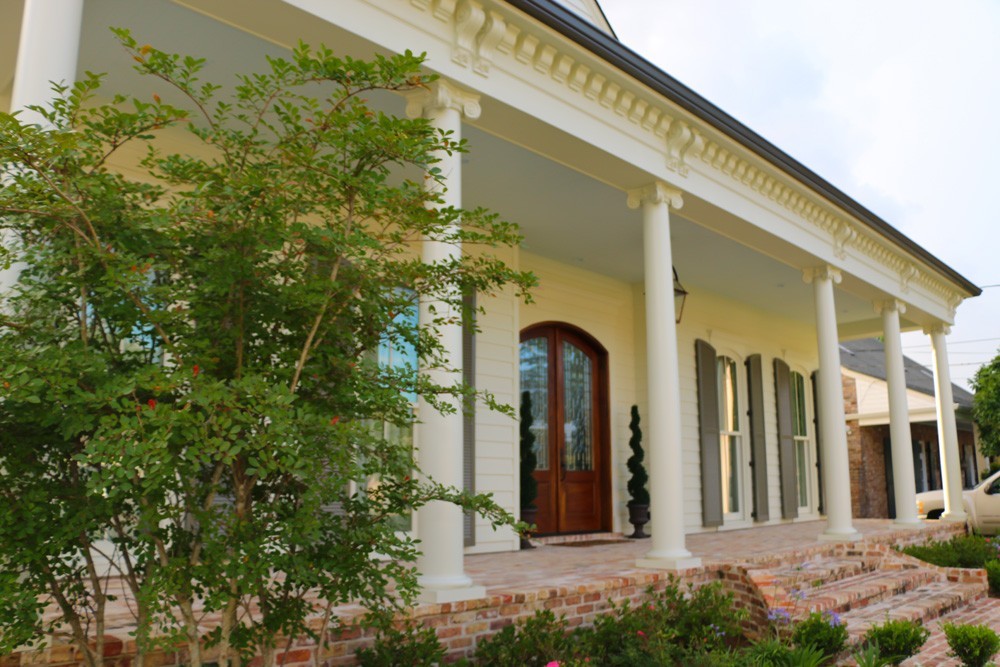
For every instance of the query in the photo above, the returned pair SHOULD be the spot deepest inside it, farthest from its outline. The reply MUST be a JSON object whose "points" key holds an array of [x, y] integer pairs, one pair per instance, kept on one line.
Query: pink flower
{"points": [[640, 633], [554, 663]]}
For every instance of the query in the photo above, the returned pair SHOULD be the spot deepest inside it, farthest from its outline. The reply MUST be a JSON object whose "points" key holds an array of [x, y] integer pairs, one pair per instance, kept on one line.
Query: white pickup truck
{"points": [[981, 503]]}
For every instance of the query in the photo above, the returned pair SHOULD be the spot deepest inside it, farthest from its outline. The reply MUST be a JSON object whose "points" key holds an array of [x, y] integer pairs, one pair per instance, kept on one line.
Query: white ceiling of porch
{"points": [[564, 214]]}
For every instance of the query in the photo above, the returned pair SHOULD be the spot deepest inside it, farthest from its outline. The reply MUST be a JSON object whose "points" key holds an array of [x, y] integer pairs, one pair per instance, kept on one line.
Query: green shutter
{"points": [[758, 437], [469, 416], [708, 422], [819, 449], [786, 441]]}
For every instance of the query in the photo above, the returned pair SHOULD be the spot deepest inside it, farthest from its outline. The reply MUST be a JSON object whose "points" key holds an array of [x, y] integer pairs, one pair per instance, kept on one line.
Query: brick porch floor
{"points": [[553, 565]]}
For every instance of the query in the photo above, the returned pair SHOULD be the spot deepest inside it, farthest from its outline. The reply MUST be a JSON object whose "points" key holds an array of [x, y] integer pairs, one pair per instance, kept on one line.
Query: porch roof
{"points": [[616, 53]]}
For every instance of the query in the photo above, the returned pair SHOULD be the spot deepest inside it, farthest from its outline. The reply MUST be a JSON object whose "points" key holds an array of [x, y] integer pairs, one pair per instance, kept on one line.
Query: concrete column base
{"points": [[955, 517], [909, 524], [442, 595]]}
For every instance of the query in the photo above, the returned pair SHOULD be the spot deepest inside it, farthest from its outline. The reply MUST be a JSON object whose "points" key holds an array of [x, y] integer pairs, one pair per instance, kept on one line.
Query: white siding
{"points": [[497, 434]]}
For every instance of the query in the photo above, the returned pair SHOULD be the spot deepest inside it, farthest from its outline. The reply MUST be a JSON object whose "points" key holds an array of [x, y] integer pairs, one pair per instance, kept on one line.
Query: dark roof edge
{"points": [[610, 49]]}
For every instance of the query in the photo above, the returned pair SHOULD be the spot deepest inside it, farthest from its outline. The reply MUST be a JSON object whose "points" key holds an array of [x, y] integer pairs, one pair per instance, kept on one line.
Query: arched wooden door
{"points": [[565, 371]]}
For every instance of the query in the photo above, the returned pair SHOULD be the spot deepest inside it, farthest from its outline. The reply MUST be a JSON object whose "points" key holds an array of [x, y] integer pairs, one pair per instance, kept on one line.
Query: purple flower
{"points": [[832, 617], [779, 616], [796, 594]]}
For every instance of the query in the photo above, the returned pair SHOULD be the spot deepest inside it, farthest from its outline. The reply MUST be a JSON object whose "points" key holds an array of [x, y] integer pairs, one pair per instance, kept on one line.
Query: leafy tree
{"points": [[986, 406], [191, 402]]}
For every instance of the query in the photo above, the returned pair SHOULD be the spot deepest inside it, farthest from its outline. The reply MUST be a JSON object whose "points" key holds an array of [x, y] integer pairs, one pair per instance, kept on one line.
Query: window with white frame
{"points": [[800, 433], [395, 353], [730, 434]]}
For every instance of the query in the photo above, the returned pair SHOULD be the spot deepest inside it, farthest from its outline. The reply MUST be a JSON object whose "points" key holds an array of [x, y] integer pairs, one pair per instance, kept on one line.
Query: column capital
{"points": [[824, 272], [656, 192], [887, 305], [441, 95], [937, 328]]}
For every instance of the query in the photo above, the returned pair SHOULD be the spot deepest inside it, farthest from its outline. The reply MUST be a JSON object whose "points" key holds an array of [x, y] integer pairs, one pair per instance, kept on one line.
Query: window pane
{"points": [[802, 468], [729, 407], [399, 354], [730, 473], [578, 449], [535, 380], [798, 388]]}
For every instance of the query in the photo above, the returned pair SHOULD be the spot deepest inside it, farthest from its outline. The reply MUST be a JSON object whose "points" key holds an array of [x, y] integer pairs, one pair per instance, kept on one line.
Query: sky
{"points": [[896, 103]]}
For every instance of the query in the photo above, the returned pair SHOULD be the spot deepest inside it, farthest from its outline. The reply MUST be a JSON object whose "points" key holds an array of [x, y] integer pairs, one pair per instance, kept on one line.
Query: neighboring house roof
{"points": [[604, 45], [867, 356]]}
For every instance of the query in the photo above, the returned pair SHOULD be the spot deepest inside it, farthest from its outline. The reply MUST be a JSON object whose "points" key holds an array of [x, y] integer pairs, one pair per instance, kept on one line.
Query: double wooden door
{"points": [[565, 372]]}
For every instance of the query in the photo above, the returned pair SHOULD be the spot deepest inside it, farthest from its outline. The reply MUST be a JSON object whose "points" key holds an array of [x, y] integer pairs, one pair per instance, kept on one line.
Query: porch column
{"points": [[46, 52], [663, 424], [439, 437], [903, 482], [951, 469], [830, 401]]}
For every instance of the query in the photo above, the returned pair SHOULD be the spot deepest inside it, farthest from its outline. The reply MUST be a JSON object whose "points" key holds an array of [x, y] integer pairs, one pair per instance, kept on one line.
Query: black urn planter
{"points": [[638, 516], [528, 516]]}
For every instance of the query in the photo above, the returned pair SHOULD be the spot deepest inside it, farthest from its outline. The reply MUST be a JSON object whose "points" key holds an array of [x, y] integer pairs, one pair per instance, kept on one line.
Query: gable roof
{"points": [[867, 356], [591, 11], [604, 45]]}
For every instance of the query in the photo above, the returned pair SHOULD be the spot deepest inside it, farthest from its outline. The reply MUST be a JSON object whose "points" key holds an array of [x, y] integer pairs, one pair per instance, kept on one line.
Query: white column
{"points": [[903, 481], [47, 52], [833, 434], [951, 470], [663, 423], [439, 436]]}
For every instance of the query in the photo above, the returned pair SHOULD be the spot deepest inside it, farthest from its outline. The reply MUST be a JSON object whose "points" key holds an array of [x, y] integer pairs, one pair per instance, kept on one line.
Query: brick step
{"points": [[817, 572], [863, 590], [923, 604]]}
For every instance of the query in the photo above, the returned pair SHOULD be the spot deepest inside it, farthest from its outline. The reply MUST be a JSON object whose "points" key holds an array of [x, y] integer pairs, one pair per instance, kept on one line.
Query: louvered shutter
{"points": [[819, 448], [708, 422], [786, 441], [469, 419], [758, 438]]}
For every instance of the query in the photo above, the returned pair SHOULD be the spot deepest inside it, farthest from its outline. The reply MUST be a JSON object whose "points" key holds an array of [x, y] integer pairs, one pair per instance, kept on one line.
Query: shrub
{"points": [[974, 645], [897, 640], [410, 645], [539, 640], [637, 482], [870, 656], [824, 631], [993, 575], [962, 551], [767, 653]]}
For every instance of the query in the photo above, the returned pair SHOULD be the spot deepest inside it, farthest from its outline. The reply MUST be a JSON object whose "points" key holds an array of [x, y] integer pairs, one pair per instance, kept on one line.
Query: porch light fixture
{"points": [[680, 294]]}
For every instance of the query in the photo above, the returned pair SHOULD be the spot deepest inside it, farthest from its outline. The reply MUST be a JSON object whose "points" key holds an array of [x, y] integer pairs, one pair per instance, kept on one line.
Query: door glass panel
{"points": [[535, 380], [578, 426]]}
